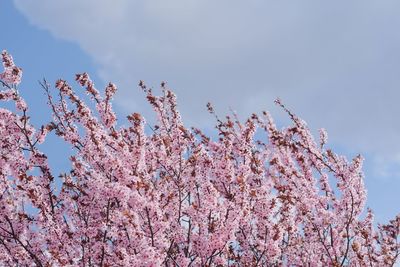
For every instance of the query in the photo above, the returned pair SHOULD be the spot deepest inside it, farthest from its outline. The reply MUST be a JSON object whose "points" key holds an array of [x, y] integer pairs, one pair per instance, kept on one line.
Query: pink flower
{"points": [[173, 196], [12, 74]]}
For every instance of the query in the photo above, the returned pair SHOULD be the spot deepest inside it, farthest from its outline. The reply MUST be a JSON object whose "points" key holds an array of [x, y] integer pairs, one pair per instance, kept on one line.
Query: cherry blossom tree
{"points": [[168, 195]]}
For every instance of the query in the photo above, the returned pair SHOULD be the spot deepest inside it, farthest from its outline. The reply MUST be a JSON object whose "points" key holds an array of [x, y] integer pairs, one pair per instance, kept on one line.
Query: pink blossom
{"points": [[12, 74], [175, 197]]}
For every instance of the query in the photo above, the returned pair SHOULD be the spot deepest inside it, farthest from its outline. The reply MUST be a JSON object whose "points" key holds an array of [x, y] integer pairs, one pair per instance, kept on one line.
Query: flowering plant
{"points": [[175, 197]]}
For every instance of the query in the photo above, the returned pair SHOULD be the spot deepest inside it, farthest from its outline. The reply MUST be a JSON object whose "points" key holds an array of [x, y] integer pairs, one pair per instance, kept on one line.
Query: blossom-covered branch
{"points": [[174, 196]]}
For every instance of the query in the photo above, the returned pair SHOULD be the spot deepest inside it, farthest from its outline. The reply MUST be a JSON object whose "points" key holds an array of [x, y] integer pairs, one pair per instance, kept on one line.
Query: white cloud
{"points": [[335, 63]]}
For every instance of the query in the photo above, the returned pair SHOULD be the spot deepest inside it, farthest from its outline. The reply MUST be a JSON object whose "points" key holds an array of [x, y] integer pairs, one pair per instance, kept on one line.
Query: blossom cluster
{"points": [[171, 195]]}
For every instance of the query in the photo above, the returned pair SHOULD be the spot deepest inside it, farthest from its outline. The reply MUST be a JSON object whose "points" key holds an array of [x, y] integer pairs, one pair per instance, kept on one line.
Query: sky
{"points": [[335, 64]]}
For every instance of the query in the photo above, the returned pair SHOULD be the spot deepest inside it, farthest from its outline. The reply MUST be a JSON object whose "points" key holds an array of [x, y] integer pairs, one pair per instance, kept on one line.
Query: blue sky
{"points": [[335, 64]]}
